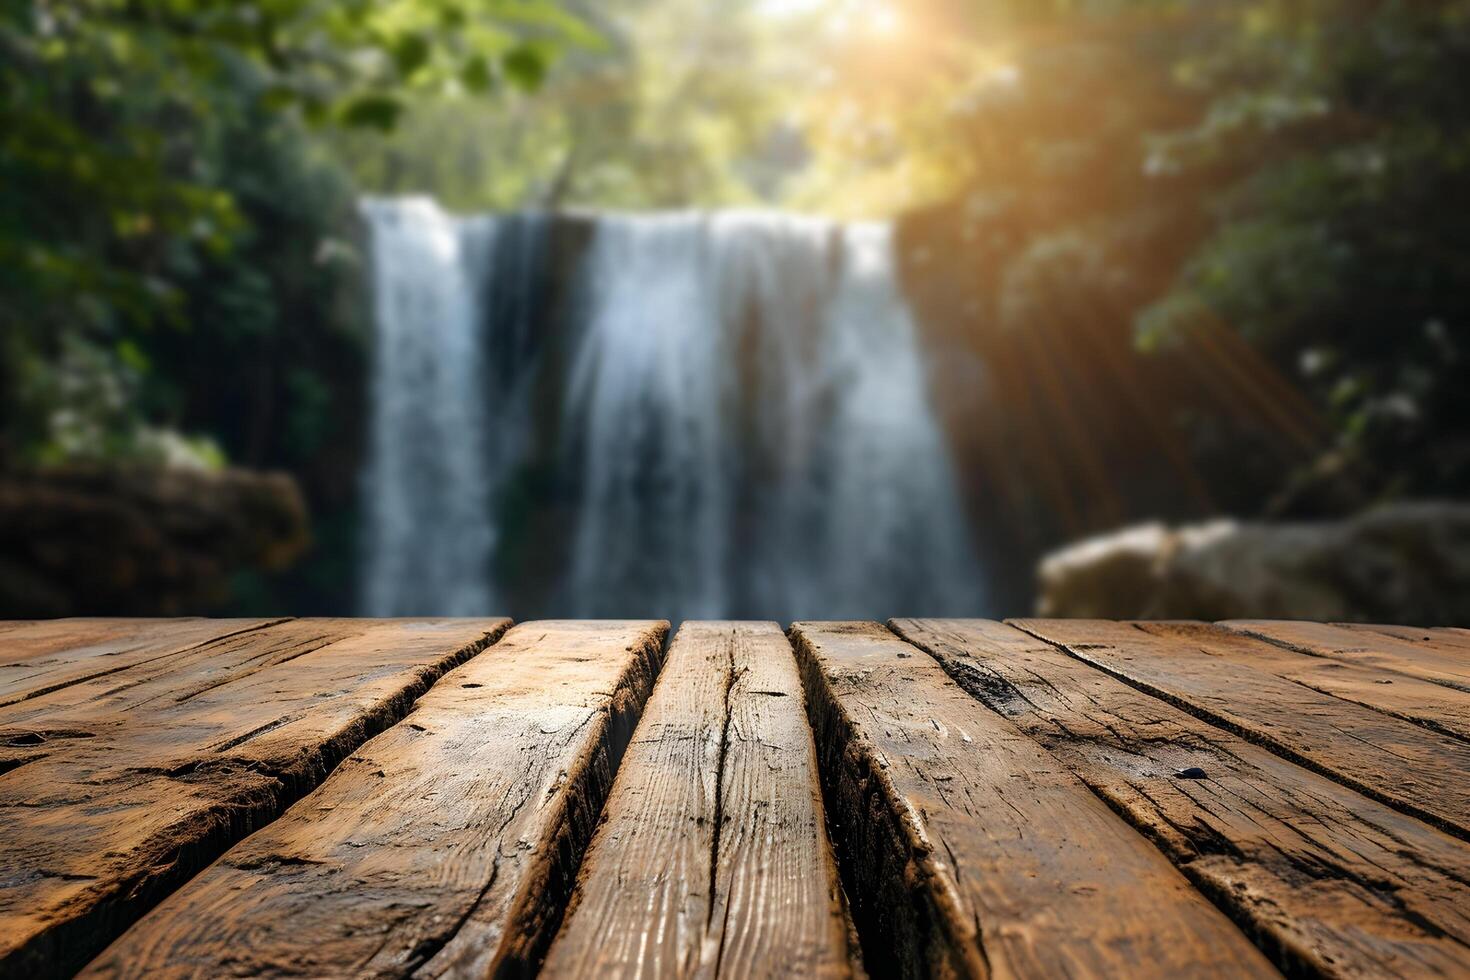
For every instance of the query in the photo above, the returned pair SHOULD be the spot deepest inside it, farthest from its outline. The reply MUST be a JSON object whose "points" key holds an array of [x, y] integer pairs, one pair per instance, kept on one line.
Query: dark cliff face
{"points": [[538, 504], [134, 541]]}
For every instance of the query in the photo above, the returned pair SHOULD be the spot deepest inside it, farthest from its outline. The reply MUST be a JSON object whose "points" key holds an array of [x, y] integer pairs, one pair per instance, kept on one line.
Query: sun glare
{"points": [[791, 8], [878, 19], [885, 21]]}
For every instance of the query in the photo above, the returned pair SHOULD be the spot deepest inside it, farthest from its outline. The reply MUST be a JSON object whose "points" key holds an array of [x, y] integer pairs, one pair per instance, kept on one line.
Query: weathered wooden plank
{"points": [[146, 776], [47, 721], [42, 656], [1330, 882], [1435, 706], [1421, 772], [166, 673], [445, 846], [25, 639], [973, 851], [1449, 639], [1434, 659], [713, 857]]}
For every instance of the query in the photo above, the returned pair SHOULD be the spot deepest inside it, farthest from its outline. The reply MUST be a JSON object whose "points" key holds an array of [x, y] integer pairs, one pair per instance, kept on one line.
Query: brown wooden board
{"points": [[39, 657], [1446, 639], [39, 725], [145, 775], [1330, 882], [1427, 654], [1443, 709], [713, 858], [168, 672], [1423, 773], [969, 850], [446, 846]]}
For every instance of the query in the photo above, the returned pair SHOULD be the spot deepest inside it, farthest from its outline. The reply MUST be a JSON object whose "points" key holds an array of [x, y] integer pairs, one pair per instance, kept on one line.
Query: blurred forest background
{"points": [[1174, 258]]}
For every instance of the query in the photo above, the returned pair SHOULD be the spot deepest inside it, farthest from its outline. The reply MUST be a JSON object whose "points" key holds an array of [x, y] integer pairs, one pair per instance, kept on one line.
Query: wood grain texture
{"points": [[1446, 639], [1433, 655], [445, 846], [973, 851], [147, 774], [1443, 709], [713, 859], [1331, 883], [1421, 772], [42, 656], [167, 673]]}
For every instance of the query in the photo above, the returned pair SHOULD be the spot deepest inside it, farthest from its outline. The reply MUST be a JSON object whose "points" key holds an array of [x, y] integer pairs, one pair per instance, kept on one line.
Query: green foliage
{"points": [[1339, 248], [683, 103], [119, 194], [1229, 233]]}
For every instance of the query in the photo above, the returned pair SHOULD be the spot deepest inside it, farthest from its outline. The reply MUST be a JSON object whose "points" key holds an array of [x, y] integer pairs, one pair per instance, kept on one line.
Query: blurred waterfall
{"points": [[429, 530], [733, 421]]}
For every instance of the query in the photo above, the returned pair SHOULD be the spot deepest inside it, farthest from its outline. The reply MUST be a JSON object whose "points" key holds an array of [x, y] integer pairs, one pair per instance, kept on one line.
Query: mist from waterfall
{"points": [[697, 415]]}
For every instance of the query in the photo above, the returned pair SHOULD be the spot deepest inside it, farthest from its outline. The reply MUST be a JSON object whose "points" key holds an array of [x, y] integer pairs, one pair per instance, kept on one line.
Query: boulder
{"points": [[1400, 563], [139, 541]]}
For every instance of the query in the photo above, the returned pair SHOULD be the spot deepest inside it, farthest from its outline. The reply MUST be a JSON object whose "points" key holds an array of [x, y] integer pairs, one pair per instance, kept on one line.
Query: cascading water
{"points": [[429, 530], [736, 405]]}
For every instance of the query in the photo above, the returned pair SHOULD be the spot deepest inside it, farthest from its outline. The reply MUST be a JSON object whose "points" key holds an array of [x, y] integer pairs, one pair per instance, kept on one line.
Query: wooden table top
{"points": [[457, 798]]}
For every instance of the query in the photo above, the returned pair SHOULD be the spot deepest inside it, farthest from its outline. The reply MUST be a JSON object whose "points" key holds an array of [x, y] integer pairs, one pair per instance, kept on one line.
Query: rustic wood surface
{"points": [[1420, 772], [1405, 696], [1337, 884], [1438, 655], [1039, 798], [42, 657], [135, 778], [433, 849], [1452, 639], [713, 857], [1019, 869]]}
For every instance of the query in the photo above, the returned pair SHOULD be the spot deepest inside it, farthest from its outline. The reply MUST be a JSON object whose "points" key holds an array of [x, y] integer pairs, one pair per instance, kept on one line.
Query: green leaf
{"points": [[373, 111], [410, 53], [278, 97], [525, 66], [132, 356], [452, 17], [553, 19], [476, 74]]}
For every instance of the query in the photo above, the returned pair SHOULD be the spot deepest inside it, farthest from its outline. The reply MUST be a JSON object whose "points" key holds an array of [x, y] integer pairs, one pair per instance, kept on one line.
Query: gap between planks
{"points": [[1329, 882], [444, 847], [1210, 673], [228, 728], [713, 859], [970, 851], [1440, 656], [1396, 884]]}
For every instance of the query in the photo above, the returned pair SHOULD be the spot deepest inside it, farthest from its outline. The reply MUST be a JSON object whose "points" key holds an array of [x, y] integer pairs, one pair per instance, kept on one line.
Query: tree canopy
{"points": [[123, 127]]}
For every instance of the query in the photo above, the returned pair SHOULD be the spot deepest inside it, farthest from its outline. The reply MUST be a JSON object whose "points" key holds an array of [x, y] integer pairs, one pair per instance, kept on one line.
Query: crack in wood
{"points": [[1262, 842], [151, 859], [1253, 734]]}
